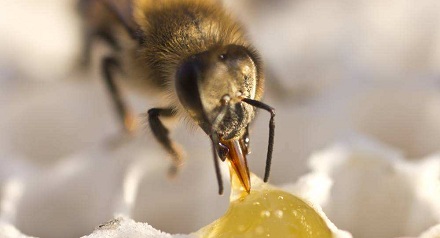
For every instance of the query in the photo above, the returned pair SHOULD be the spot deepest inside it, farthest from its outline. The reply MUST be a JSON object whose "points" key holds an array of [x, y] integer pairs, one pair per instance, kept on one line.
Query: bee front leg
{"points": [[127, 119], [219, 151], [161, 133]]}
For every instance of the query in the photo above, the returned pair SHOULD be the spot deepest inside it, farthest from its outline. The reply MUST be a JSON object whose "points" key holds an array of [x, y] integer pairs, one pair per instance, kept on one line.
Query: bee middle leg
{"points": [[125, 116], [161, 133]]}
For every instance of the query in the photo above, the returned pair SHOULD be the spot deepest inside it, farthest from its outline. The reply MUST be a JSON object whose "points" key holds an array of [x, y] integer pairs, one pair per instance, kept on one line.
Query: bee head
{"points": [[208, 80]]}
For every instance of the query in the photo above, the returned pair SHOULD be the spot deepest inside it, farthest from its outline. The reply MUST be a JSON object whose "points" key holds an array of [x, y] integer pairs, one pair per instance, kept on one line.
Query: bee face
{"points": [[203, 80]]}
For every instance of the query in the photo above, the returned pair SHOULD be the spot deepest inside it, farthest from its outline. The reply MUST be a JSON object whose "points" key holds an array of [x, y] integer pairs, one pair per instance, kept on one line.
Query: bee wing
{"points": [[124, 10], [101, 14]]}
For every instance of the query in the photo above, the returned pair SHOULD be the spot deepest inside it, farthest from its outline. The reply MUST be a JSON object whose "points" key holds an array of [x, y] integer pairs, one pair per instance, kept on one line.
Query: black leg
{"points": [[215, 151], [126, 118], [271, 110], [161, 133]]}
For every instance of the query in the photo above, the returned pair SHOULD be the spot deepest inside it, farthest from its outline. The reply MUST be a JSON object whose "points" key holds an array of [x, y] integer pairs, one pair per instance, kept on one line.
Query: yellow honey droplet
{"points": [[266, 212]]}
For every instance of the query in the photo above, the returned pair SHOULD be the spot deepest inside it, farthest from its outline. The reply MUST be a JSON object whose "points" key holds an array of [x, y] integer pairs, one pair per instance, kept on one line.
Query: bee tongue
{"points": [[238, 164]]}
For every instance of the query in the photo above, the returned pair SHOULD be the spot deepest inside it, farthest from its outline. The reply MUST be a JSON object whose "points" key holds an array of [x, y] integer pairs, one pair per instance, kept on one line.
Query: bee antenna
{"points": [[271, 110]]}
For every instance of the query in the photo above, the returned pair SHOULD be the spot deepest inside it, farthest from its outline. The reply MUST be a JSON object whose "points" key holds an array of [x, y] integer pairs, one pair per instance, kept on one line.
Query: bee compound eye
{"points": [[187, 80]]}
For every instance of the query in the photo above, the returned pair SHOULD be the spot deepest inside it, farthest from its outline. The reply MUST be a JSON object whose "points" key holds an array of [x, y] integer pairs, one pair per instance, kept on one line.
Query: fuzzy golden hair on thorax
{"points": [[177, 29]]}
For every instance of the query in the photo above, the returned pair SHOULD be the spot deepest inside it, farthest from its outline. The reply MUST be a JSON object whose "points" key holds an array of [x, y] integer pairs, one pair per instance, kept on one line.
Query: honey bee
{"points": [[194, 54]]}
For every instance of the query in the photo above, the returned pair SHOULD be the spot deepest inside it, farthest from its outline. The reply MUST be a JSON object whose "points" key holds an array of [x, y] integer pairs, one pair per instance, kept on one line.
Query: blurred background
{"points": [[336, 70]]}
